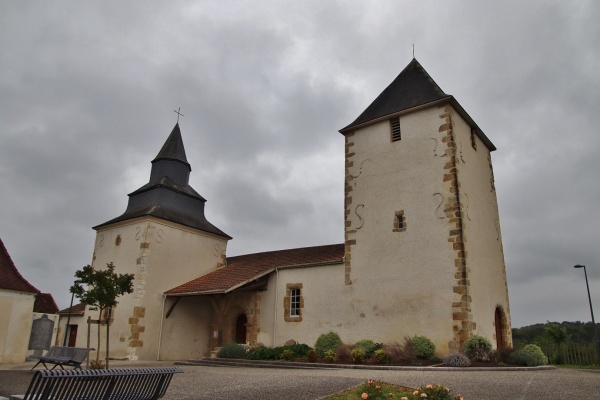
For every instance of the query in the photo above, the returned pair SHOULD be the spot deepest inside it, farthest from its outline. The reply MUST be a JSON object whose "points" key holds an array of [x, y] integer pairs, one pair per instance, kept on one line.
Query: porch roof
{"points": [[241, 270]]}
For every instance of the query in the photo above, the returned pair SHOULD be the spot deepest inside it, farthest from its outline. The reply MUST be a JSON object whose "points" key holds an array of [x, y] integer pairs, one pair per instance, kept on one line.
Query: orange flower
{"points": [[364, 396]]}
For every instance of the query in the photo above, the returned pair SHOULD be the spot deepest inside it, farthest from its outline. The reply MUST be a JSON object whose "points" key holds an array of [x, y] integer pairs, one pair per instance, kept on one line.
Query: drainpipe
{"points": [[162, 320], [275, 306]]}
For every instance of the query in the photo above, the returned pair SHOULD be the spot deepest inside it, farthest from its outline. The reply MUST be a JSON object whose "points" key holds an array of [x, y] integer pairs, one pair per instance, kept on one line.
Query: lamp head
{"points": [[579, 266]]}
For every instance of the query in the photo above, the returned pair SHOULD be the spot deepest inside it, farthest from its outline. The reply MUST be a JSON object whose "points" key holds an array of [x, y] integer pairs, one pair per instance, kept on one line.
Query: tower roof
{"points": [[168, 195], [173, 148], [412, 88], [10, 278]]}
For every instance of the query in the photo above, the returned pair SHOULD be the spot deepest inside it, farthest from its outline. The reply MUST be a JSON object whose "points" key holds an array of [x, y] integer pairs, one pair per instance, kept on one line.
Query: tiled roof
{"points": [[78, 309], [243, 269], [10, 278], [45, 304]]}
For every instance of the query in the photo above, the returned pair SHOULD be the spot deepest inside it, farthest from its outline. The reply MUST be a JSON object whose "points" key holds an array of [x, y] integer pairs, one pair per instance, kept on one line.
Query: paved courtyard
{"points": [[199, 382]]}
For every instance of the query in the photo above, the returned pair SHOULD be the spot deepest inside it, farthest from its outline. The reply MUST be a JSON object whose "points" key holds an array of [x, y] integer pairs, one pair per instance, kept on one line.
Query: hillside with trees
{"points": [[578, 333]]}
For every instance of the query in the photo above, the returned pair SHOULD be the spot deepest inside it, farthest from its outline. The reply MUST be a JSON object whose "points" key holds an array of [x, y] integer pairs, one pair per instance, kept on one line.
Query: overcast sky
{"points": [[87, 92]]}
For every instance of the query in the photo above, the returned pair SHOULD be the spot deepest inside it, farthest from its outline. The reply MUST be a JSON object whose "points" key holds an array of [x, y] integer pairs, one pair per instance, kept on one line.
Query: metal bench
{"points": [[96, 384], [61, 355]]}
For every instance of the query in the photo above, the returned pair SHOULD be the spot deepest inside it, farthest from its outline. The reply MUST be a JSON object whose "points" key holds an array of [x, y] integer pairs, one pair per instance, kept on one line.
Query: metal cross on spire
{"points": [[178, 113]]}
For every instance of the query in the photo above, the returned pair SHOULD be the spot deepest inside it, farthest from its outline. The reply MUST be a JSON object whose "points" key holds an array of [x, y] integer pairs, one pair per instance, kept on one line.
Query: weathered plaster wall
{"points": [[402, 281], [324, 305], [16, 310], [162, 255], [185, 332], [488, 287]]}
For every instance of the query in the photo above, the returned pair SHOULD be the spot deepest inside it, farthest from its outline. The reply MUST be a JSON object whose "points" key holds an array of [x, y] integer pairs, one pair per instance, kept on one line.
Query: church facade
{"points": [[422, 253]]}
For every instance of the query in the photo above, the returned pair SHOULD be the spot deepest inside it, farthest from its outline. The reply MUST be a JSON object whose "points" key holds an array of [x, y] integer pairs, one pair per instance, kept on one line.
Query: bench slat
{"points": [[114, 384]]}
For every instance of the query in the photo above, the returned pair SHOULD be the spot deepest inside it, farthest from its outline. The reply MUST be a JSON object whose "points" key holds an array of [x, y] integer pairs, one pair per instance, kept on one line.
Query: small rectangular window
{"points": [[295, 302], [399, 221], [395, 129]]}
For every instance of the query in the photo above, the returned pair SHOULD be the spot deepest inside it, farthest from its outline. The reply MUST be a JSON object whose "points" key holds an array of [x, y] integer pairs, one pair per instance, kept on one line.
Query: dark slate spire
{"points": [[173, 148], [413, 87], [168, 194]]}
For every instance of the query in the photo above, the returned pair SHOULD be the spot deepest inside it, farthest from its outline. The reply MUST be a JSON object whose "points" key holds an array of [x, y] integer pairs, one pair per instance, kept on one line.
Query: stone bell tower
{"points": [[421, 217], [163, 238]]}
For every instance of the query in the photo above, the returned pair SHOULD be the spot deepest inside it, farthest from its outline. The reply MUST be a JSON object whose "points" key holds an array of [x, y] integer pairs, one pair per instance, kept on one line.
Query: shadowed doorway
{"points": [[240, 329]]}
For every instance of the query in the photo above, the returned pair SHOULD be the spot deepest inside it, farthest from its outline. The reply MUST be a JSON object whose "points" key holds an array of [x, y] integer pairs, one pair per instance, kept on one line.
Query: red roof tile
{"points": [[243, 269], [45, 304], [78, 309], [10, 278]]}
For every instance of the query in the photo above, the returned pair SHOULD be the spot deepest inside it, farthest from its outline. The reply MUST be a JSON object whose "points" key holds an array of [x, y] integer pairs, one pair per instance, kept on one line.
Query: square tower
{"points": [[422, 232]]}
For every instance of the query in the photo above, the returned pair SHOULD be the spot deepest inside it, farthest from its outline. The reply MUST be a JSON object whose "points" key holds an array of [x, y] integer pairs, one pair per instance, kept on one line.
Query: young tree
{"points": [[101, 292]]}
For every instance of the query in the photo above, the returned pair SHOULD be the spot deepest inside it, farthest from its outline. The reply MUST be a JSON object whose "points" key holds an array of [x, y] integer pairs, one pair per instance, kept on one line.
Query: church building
{"points": [[422, 251]]}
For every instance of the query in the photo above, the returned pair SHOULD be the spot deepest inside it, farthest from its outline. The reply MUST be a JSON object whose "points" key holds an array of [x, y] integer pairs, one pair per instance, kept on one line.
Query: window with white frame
{"points": [[295, 302]]}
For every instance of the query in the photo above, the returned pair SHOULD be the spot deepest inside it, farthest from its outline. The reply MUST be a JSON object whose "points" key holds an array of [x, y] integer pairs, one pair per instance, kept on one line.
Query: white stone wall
{"points": [[161, 255], [16, 310], [481, 225]]}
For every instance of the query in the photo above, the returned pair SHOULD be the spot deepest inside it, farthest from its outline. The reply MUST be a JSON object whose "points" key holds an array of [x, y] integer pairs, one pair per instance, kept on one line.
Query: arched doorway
{"points": [[498, 322], [240, 328]]}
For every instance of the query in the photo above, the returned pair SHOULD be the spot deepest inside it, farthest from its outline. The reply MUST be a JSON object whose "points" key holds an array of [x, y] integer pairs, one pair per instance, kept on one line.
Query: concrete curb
{"points": [[222, 362]]}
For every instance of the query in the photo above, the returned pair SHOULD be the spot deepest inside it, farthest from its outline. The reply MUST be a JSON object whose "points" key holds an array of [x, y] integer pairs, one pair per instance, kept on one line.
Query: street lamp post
{"points": [[596, 343], [69, 317]]}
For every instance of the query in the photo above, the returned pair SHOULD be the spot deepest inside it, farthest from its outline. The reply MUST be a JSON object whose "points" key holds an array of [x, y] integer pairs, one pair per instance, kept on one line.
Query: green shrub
{"points": [[299, 350], [288, 355], [435, 359], [329, 355], [232, 350], [478, 348], [368, 346], [264, 353], [501, 355], [312, 356], [327, 341], [521, 357], [381, 356], [358, 355], [422, 347], [457, 360], [536, 352]]}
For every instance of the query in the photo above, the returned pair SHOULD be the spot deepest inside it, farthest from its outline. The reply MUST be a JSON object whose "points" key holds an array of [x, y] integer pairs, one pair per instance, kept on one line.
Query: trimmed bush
{"points": [[368, 346], [327, 341], [358, 355], [329, 355], [521, 357], [422, 347], [312, 356], [457, 360], [478, 348], [381, 356], [264, 353], [232, 350], [277, 353], [536, 352], [288, 355]]}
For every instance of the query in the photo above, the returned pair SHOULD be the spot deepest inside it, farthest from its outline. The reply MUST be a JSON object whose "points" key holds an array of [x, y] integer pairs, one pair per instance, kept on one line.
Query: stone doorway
{"points": [[72, 335], [240, 329]]}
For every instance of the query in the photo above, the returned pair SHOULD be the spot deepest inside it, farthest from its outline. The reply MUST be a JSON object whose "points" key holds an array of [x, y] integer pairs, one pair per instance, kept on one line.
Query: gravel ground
{"points": [[199, 382]]}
